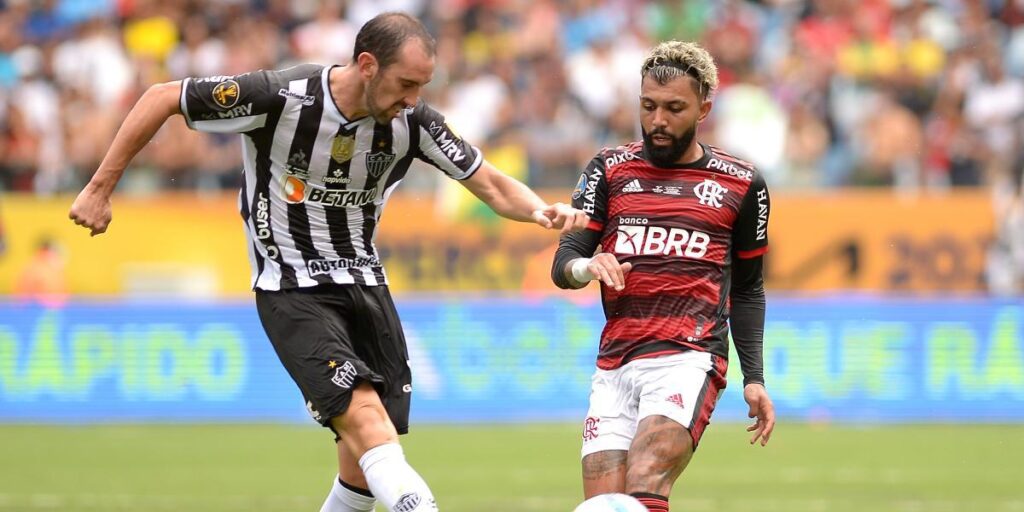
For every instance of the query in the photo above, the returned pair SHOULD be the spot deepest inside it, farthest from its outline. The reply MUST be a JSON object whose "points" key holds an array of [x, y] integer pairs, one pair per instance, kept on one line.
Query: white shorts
{"points": [[683, 387]]}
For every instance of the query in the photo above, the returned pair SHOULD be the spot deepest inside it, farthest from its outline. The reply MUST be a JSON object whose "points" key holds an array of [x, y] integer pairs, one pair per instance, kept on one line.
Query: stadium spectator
{"points": [[813, 63]]}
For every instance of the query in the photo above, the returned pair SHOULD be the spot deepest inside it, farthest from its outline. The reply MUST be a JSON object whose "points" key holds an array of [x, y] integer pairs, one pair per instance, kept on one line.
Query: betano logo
{"points": [[654, 240]]}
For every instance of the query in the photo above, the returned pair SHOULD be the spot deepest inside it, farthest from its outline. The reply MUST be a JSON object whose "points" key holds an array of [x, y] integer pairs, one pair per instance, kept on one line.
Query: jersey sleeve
{"points": [[227, 104], [750, 233], [441, 147], [591, 193]]}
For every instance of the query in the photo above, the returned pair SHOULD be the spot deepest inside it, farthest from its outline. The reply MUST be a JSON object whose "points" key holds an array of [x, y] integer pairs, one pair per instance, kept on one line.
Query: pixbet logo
{"points": [[654, 240]]}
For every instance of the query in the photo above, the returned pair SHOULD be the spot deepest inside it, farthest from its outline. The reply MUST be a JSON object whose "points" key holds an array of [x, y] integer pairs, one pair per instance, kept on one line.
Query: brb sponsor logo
{"points": [[730, 169], [636, 237]]}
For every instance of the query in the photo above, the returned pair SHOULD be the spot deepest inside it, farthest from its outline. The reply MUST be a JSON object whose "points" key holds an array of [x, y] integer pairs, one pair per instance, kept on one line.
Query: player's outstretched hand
{"points": [[561, 216], [761, 408], [91, 210]]}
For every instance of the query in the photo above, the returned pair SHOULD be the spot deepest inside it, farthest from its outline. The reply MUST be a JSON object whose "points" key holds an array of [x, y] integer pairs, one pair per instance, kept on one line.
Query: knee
{"points": [[365, 421]]}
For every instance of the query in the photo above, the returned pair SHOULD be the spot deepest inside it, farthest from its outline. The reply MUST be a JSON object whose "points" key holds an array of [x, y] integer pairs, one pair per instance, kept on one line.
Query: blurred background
{"points": [[134, 373]]}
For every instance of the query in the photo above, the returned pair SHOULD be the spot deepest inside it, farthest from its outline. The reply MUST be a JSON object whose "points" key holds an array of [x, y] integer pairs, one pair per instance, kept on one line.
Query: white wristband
{"points": [[580, 272]]}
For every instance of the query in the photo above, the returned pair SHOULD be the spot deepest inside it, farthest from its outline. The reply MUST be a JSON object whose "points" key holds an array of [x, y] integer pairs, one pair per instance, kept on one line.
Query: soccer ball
{"points": [[611, 503]]}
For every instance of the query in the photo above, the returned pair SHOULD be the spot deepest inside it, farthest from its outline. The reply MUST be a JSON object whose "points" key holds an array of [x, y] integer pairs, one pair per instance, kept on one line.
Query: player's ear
{"points": [[705, 109], [367, 64]]}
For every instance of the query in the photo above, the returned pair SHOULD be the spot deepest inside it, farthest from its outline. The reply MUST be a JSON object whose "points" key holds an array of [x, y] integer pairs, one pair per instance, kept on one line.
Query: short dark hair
{"points": [[384, 35]]}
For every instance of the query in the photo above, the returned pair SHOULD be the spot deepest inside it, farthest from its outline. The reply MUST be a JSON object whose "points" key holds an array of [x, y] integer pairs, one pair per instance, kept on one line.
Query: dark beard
{"points": [[663, 156]]}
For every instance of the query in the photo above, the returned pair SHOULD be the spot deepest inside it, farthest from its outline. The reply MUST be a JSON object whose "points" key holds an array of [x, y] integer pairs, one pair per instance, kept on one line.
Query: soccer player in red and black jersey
{"points": [[677, 234]]}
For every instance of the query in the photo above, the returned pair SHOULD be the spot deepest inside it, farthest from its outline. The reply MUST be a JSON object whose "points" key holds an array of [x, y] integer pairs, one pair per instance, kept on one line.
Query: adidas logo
{"points": [[676, 399], [633, 186]]}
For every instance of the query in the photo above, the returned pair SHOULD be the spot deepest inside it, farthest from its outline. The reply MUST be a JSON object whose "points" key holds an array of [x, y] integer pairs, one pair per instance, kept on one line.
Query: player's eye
{"points": [[648, 107]]}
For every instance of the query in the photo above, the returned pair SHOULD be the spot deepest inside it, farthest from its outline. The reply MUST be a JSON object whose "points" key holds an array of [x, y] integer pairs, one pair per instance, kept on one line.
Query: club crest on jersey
{"points": [[342, 148], [377, 163], [710, 193], [581, 187], [225, 94], [344, 375]]}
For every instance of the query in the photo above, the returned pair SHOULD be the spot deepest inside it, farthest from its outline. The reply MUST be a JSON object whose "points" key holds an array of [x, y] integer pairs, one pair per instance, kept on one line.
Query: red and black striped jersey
{"points": [[680, 228]]}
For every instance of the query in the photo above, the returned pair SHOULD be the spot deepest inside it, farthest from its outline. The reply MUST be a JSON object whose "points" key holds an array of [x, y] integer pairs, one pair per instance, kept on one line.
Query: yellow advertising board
{"points": [[190, 245]]}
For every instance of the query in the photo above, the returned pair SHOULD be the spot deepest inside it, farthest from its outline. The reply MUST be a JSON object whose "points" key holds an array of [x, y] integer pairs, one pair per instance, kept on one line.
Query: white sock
{"points": [[394, 482], [343, 499]]}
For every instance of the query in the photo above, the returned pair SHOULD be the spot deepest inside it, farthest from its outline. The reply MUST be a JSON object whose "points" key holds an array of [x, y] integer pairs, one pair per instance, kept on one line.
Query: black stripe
{"points": [[302, 147], [383, 141], [337, 217], [263, 141]]}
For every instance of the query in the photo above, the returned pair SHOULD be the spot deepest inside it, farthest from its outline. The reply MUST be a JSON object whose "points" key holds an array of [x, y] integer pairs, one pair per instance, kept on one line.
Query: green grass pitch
{"points": [[521, 468]]}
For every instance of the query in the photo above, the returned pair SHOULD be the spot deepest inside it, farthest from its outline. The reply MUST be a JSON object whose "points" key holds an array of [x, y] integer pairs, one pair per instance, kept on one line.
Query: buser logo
{"points": [[653, 240]]}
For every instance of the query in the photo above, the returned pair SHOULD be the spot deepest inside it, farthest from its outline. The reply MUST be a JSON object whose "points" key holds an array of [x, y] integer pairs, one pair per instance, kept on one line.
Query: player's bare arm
{"points": [[512, 199], [91, 208]]}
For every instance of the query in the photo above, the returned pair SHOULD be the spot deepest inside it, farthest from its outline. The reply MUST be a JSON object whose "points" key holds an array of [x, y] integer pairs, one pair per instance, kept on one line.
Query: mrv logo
{"points": [[654, 240]]}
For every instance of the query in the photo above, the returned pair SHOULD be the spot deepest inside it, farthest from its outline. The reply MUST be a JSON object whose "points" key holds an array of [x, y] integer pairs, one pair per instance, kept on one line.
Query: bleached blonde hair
{"points": [[673, 59]]}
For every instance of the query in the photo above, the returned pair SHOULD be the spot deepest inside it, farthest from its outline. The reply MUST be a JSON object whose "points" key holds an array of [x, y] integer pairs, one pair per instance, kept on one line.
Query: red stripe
{"points": [[638, 283], [660, 205], [746, 255], [594, 225], [654, 505]]}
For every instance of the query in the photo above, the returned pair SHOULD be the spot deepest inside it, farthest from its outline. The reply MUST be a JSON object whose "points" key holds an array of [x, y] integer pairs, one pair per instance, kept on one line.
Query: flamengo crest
{"points": [[710, 193]]}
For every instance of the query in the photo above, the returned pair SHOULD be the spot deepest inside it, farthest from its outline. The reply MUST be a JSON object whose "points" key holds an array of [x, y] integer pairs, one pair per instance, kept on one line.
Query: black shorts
{"points": [[332, 337]]}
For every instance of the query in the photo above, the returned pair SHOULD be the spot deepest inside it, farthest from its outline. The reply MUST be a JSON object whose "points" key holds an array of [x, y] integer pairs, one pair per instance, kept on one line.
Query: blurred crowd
{"points": [[903, 93]]}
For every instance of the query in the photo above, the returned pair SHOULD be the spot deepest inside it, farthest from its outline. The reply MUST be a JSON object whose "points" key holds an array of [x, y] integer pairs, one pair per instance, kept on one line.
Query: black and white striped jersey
{"points": [[315, 183]]}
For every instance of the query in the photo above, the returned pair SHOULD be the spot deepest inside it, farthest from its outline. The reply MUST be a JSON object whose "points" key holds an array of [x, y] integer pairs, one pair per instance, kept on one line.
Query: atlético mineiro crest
{"points": [[407, 502], [377, 163], [344, 375]]}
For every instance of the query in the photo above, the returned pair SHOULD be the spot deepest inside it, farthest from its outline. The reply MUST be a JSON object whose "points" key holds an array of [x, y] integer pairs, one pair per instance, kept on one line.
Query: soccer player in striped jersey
{"points": [[676, 238], [322, 150]]}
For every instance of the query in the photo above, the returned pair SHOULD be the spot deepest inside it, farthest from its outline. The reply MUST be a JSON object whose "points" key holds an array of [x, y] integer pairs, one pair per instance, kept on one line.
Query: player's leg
{"points": [[369, 429], [660, 451], [607, 432], [312, 332], [350, 492], [677, 395], [604, 472]]}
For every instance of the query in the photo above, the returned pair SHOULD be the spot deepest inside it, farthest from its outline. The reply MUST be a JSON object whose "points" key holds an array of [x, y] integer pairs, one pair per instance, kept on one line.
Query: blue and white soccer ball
{"points": [[611, 503]]}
